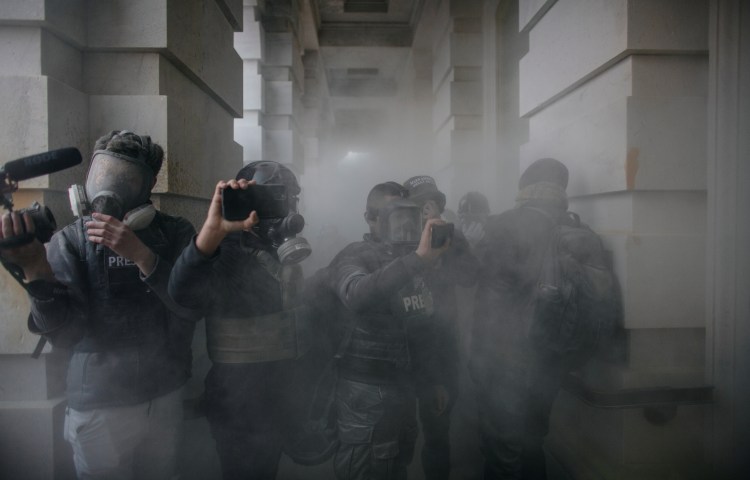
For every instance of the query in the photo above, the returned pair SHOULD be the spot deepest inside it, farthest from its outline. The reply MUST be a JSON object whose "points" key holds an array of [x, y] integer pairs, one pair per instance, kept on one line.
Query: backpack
{"points": [[576, 304]]}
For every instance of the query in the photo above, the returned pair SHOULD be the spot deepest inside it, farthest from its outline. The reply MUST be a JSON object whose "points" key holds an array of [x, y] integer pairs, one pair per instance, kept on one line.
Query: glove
{"points": [[473, 231]]}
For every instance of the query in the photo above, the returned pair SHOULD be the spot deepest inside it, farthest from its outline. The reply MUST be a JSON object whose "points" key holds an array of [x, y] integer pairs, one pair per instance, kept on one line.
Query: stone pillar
{"points": [[283, 83], [248, 131], [43, 106], [457, 88], [728, 273], [317, 117], [512, 129], [72, 71], [617, 91], [416, 107], [315, 125]]}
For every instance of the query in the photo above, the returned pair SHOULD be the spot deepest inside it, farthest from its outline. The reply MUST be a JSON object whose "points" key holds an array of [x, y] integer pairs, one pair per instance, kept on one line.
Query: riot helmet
{"points": [[280, 234]]}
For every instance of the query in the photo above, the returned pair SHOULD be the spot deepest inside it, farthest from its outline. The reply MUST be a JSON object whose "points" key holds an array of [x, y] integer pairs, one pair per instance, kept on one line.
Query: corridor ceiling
{"points": [[365, 46]]}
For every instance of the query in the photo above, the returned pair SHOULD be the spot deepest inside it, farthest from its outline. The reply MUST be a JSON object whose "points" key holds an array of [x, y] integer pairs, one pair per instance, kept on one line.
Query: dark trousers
{"points": [[246, 456], [247, 411], [513, 421], [377, 430], [436, 450]]}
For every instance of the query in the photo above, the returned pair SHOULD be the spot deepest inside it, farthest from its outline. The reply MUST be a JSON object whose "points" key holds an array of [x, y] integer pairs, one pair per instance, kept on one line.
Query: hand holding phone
{"points": [[441, 234], [434, 241]]}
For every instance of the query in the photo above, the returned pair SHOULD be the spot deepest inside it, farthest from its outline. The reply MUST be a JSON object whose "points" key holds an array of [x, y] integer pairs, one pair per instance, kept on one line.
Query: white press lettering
{"points": [[407, 303]]}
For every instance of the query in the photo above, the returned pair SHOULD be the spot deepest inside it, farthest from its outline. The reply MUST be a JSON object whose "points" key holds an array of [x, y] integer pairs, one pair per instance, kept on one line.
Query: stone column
{"points": [[457, 88], [728, 273], [72, 71], [248, 131], [617, 91], [43, 106], [283, 83], [317, 117]]}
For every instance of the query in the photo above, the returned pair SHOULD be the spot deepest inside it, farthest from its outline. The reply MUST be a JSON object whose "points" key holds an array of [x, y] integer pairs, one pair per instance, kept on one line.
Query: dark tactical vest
{"points": [[263, 338]]}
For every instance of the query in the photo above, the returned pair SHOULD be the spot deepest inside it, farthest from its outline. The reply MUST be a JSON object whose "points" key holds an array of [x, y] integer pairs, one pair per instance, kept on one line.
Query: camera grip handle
{"points": [[17, 240]]}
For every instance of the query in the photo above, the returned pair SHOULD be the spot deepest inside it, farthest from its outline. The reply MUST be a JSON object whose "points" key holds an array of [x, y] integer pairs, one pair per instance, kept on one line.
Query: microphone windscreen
{"points": [[42, 163]]}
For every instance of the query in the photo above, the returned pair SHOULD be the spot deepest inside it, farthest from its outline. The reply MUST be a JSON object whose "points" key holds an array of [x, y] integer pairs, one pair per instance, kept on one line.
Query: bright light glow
{"points": [[354, 158]]}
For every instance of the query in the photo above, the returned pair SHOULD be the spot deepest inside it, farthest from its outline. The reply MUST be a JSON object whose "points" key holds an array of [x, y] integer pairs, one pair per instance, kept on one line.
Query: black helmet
{"points": [[423, 188], [281, 233], [266, 171], [473, 203], [545, 170]]}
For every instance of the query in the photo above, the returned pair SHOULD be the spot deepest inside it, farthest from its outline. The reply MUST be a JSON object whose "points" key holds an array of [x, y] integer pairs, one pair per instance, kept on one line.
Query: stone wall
{"points": [[457, 90], [620, 98], [72, 71]]}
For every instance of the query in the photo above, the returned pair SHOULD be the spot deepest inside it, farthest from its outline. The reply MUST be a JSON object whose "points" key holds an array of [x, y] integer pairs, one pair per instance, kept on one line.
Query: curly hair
{"points": [[132, 145]]}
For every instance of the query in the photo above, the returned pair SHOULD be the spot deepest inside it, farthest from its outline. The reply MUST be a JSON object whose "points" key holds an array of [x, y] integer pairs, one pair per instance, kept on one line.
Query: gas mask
{"points": [[399, 226], [280, 233], [116, 185]]}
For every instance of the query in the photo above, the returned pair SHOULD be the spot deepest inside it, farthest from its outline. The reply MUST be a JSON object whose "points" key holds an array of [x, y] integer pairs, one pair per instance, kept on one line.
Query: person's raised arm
{"points": [[216, 227], [358, 288]]}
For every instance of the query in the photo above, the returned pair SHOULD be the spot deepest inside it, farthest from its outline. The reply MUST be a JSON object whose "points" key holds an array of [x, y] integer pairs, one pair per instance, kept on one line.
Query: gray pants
{"points": [[133, 442]]}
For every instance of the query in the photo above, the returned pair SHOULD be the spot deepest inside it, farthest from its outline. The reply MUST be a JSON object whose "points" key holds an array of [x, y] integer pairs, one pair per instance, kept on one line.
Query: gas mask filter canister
{"points": [[282, 234]]}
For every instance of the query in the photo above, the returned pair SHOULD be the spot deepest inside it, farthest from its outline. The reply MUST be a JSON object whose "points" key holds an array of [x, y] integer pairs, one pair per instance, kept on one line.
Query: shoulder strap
{"points": [[567, 218], [81, 232]]}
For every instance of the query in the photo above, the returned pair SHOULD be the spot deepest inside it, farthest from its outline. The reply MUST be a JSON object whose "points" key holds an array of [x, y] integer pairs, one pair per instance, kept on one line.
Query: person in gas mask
{"points": [[386, 311], [457, 267], [244, 275], [473, 210], [100, 290]]}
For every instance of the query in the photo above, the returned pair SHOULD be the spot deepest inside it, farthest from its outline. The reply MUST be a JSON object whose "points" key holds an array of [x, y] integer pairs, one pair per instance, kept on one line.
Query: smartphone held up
{"points": [[441, 233], [268, 201]]}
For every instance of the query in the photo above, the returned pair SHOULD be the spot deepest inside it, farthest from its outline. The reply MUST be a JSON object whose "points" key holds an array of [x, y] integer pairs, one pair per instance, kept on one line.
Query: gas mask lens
{"points": [[117, 183], [400, 223], [403, 226]]}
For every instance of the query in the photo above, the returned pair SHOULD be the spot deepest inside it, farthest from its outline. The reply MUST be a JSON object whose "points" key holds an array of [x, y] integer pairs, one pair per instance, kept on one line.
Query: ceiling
{"points": [[365, 47]]}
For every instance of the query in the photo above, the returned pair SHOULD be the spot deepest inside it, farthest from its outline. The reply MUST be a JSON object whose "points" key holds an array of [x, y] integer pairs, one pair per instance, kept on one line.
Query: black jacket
{"points": [[231, 283], [243, 281], [513, 249], [130, 342], [388, 313]]}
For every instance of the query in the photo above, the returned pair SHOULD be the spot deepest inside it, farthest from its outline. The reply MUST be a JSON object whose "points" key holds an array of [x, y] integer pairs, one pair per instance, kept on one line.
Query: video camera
{"points": [[29, 167]]}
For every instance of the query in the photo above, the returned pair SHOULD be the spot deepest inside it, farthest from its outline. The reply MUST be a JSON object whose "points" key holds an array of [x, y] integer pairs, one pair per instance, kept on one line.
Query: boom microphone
{"points": [[41, 164]]}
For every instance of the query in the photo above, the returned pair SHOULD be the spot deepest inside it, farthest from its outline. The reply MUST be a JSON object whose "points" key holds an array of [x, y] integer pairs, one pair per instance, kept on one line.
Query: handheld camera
{"points": [[29, 167]]}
